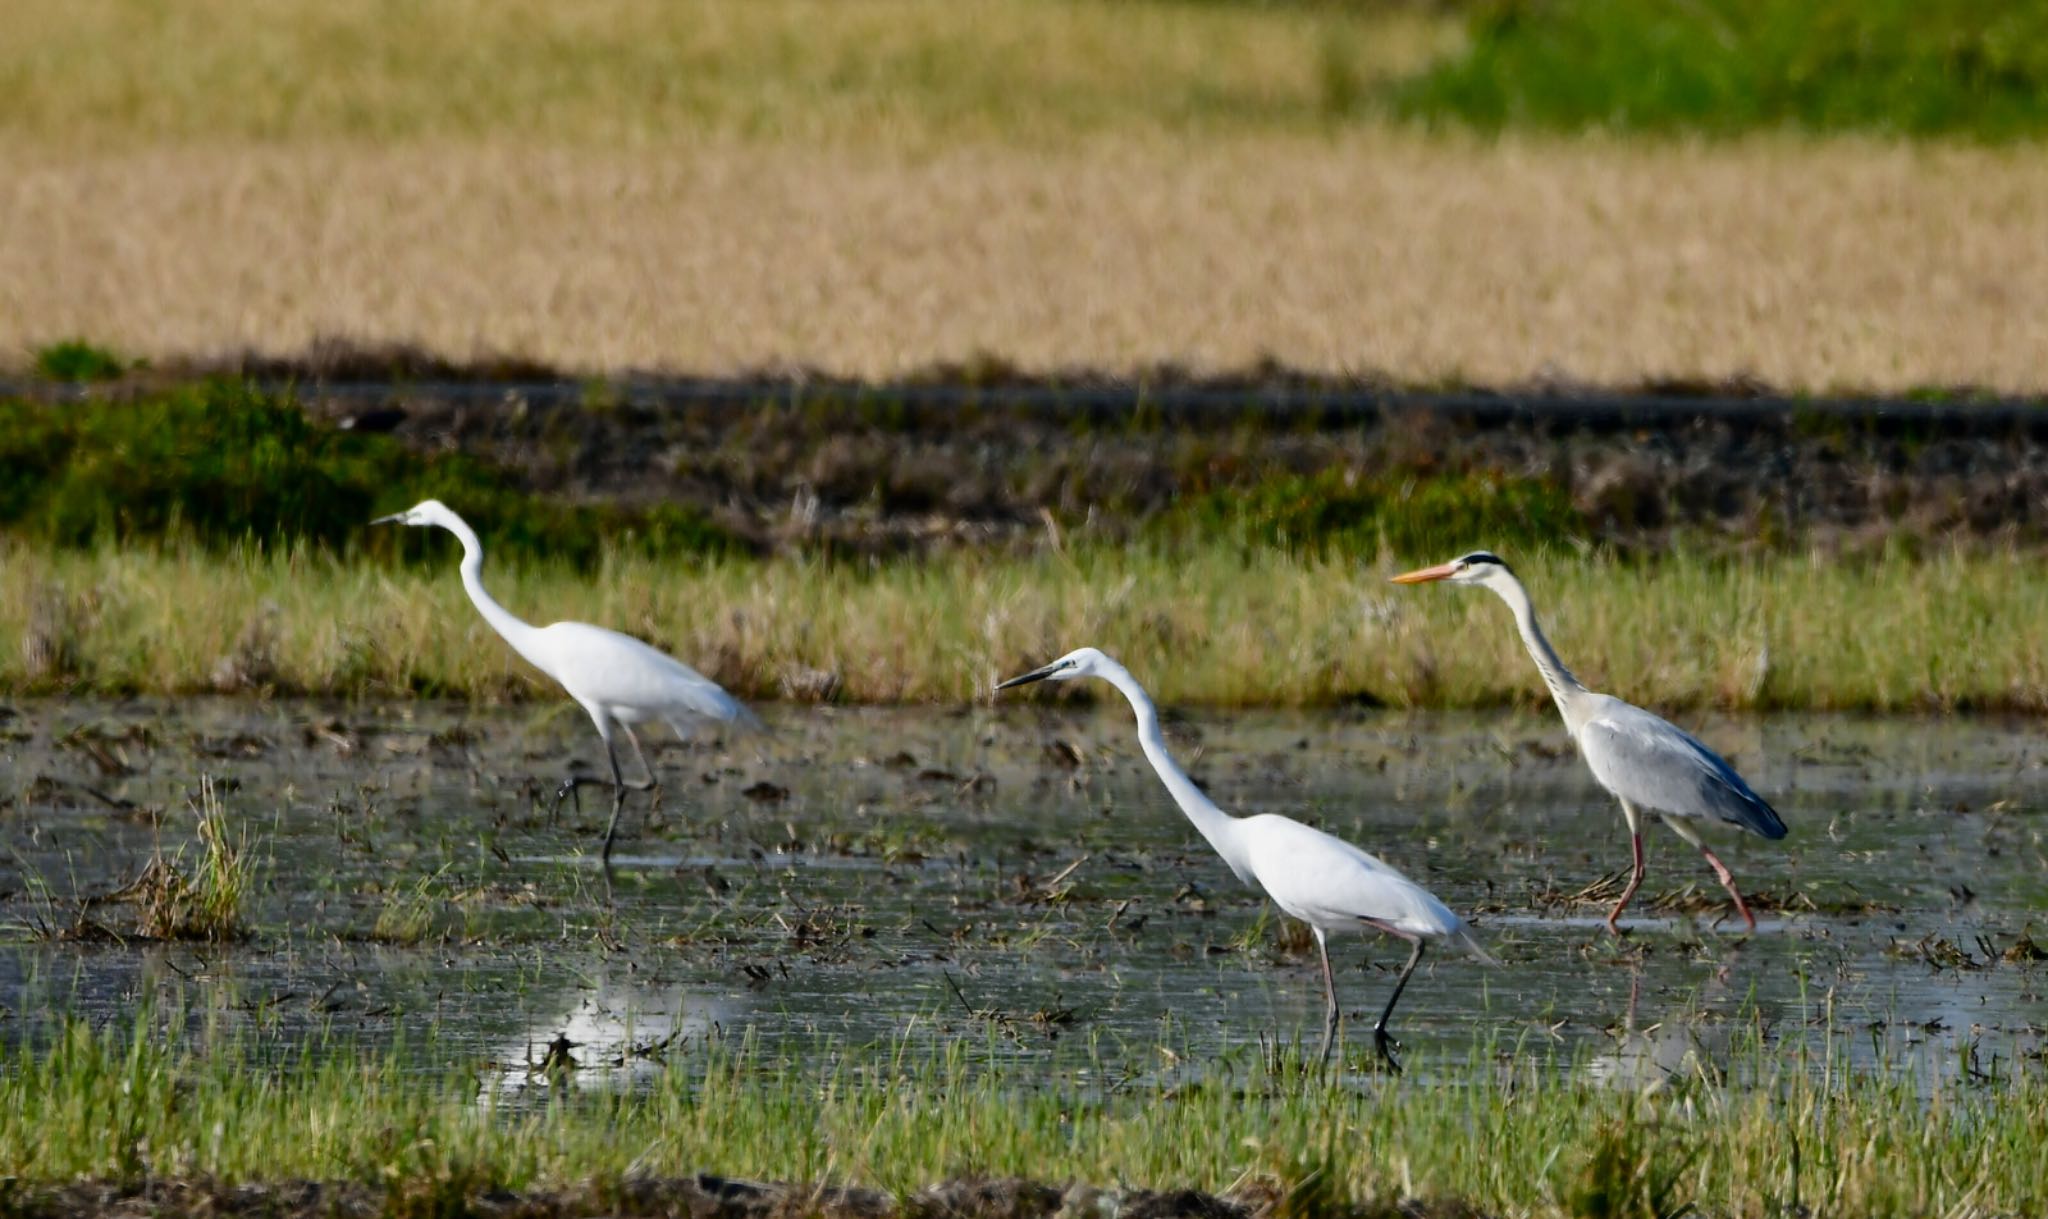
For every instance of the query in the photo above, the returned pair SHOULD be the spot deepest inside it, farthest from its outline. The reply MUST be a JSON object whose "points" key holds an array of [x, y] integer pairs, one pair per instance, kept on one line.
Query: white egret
{"points": [[1320, 879], [616, 678], [1645, 761]]}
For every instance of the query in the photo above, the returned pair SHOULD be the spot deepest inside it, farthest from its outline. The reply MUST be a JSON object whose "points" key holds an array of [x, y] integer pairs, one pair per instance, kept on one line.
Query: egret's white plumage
{"points": [[1315, 877], [616, 678], [1647, 762]]}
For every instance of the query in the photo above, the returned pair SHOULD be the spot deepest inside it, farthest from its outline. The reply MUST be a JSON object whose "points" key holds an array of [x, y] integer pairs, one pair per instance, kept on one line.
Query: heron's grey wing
{"points": [[1655, 764]]}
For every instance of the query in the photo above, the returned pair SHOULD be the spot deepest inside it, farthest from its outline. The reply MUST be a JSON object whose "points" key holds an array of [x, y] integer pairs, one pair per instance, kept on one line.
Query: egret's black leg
{"points": [[1382, 1040], [571, 788], [652, 780], [618, 799], [1330, 1014]]}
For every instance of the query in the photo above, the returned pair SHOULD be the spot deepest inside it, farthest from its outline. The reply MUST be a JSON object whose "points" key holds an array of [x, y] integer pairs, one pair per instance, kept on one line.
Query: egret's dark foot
{"points": [[1386, 1043], [572, 788]]}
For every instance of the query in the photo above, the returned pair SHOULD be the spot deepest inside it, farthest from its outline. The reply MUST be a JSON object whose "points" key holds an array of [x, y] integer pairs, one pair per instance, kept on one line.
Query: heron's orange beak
{"points": [[1441, 571]]}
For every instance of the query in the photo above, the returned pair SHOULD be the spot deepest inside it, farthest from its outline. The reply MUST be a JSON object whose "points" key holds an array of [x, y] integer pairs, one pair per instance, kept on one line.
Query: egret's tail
{"points": [[1464, 940], [734, 715], [745, 720]]}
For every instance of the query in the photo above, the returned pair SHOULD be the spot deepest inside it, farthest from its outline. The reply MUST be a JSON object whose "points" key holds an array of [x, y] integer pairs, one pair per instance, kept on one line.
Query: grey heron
{"points": [[616, 678], [1643, 760], [1320, 879]]}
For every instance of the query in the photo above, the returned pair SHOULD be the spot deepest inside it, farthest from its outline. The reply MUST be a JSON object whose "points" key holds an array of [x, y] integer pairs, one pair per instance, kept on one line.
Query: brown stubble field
{"points": [[708, 186], [1818, 266]]}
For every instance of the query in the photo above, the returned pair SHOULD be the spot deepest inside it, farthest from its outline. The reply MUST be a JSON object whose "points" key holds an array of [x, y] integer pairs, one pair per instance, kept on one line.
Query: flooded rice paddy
{"points": [[1013, 876]]}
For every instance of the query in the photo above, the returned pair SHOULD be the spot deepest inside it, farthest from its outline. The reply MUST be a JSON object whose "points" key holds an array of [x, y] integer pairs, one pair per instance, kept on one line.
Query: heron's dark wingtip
{"points": [[1764, 820]]}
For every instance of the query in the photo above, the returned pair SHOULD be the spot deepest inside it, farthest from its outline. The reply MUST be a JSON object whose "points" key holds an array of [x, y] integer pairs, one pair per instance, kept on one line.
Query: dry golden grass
{"points": [[1202, 627], [1819, 266], [636, 73]]}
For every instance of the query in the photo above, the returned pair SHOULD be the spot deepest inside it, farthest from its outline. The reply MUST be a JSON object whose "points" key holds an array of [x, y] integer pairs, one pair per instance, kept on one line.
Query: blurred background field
{"points": [[1819, 197], [635, 73], [1726, 197]]}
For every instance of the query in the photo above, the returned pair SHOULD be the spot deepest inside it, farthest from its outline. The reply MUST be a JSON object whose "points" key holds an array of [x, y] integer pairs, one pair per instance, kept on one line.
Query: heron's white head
{"points": [[1083, 662], [426, 512], [1478, 567]]}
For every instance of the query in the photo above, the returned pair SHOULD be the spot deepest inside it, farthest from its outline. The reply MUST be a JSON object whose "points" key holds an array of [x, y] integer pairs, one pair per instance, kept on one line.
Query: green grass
{"points": [[407, 916], [1212, 625], [1896, 67], [1514, 1134]]}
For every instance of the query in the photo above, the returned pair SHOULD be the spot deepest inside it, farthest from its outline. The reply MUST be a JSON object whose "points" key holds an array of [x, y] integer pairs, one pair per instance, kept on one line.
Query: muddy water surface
{"points": [[1015, 876]]}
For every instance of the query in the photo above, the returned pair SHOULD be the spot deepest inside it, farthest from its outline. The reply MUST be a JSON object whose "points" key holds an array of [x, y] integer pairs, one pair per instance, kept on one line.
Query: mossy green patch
{"points": [[222, 464], [78, 360], [1342, 513]]}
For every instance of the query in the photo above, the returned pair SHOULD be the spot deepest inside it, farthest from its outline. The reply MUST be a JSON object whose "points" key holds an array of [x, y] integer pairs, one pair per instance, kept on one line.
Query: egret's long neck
{"points": [[1564, 688], [516, 632], [1219, 827]]}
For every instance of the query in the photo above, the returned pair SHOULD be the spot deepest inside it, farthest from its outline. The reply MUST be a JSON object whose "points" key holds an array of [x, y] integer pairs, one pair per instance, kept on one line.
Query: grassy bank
{"points": [[1515, 1137], [1210, 625]]}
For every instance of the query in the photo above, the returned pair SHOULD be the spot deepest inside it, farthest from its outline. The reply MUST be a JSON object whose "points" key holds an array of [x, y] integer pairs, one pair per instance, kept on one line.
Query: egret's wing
{"points": [[1323, 879], [1653, 763], [619, 670]]}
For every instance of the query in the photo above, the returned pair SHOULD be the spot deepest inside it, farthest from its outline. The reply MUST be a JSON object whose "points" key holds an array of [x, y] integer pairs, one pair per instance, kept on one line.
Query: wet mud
{"points": [[1013, 877], [979, 457], [699, 1197]]}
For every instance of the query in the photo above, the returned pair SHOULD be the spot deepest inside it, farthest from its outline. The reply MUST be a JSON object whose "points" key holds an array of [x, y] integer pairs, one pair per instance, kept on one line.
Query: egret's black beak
{"points": [[386, 520], [1026, 679]]}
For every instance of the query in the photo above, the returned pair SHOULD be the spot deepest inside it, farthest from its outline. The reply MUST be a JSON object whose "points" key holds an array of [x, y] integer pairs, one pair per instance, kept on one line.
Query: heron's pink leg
{"points": [[1728, 883], [1727, 878], [1635, 876]]}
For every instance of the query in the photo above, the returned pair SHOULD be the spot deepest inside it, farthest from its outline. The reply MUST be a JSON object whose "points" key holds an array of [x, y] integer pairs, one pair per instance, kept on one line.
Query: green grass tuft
{"points": [[1903, 67], [78, 360], [204, 898]]}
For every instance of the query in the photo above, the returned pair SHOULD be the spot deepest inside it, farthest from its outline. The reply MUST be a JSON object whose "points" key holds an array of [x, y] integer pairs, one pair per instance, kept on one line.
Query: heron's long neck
{"points": [[1219, 827], [516, 632], [1564, 688]]}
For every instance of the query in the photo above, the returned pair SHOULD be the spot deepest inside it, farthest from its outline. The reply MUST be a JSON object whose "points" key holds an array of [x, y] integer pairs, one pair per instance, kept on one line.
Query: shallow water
{"points": [[1015, 876]]}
